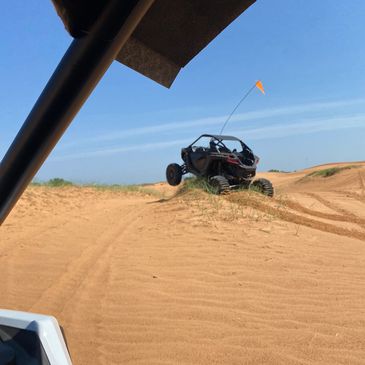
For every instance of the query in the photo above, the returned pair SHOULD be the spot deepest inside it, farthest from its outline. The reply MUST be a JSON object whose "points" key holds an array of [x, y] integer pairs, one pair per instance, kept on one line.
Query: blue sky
{"points": [[309, 55]]}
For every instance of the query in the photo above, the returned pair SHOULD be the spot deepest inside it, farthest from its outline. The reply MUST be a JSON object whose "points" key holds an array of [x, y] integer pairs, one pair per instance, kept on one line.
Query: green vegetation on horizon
{"points": [[55, 182], [60, 183], [281, 171], [330, 171], [125, 188]]}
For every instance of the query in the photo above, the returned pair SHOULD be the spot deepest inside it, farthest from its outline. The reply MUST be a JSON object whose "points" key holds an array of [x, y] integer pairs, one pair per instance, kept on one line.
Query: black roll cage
{"points": [[220, 139]]}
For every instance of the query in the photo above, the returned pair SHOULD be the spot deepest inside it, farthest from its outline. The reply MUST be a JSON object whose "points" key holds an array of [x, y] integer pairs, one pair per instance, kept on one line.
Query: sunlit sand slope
{"points": [[195, 278]]}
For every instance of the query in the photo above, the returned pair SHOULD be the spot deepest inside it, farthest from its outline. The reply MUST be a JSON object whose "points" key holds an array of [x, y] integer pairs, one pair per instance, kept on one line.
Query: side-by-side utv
{"points": [[225, 161]]}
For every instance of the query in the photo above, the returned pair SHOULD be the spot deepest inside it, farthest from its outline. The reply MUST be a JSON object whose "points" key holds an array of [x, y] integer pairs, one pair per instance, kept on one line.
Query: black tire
{"points": [[174, 174], [219, 184], [264, 186]]}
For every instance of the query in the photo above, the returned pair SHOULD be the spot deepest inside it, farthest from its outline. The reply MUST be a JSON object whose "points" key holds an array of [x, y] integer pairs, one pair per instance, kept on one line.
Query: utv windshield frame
{"points": [[220, 139]]}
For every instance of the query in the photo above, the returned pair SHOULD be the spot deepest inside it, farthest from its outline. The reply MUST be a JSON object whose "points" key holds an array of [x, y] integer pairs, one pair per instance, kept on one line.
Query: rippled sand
{"points": [[194, 278]]}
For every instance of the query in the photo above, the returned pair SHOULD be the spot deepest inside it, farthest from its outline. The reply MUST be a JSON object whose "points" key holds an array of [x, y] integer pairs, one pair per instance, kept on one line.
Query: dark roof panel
{"points": [[180, 29], [221, 137], [168, 37]]}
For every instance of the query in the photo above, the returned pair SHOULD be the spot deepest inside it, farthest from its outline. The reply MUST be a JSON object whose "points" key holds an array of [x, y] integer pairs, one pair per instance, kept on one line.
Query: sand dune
{"points": [[195, 278]]}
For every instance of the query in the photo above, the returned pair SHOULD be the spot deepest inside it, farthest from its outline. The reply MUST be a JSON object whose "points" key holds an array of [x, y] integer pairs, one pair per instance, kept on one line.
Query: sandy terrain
{"points": [[195, 279]]}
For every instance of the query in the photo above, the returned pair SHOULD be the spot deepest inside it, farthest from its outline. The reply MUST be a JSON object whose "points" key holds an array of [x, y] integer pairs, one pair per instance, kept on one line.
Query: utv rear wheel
{"points": [[263, 186], [219, 184], [174, 174]]}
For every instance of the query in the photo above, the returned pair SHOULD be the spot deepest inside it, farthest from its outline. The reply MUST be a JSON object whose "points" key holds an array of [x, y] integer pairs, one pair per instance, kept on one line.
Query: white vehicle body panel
{"points": [[48, 331]]}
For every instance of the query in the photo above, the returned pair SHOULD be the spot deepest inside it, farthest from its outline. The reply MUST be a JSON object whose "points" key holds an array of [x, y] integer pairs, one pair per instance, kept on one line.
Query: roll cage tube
{"points": [[220, 139]]}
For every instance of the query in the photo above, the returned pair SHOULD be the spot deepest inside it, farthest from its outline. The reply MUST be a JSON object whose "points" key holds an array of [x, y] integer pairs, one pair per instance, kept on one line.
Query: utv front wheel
{"points": [[263, 186], [174, 174], [218, 184]]}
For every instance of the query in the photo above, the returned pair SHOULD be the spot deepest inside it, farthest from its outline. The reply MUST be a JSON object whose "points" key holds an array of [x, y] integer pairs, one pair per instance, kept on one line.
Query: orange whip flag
{"points": [[257, 84], [260, 86]]}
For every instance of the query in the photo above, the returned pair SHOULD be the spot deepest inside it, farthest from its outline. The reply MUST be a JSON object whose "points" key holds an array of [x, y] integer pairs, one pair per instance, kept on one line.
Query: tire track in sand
{"points": [[76, 298], [291, 217], [315, 213], [347, 216], [362, 184], [65, 288], [350, 194], [86, 312]]}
